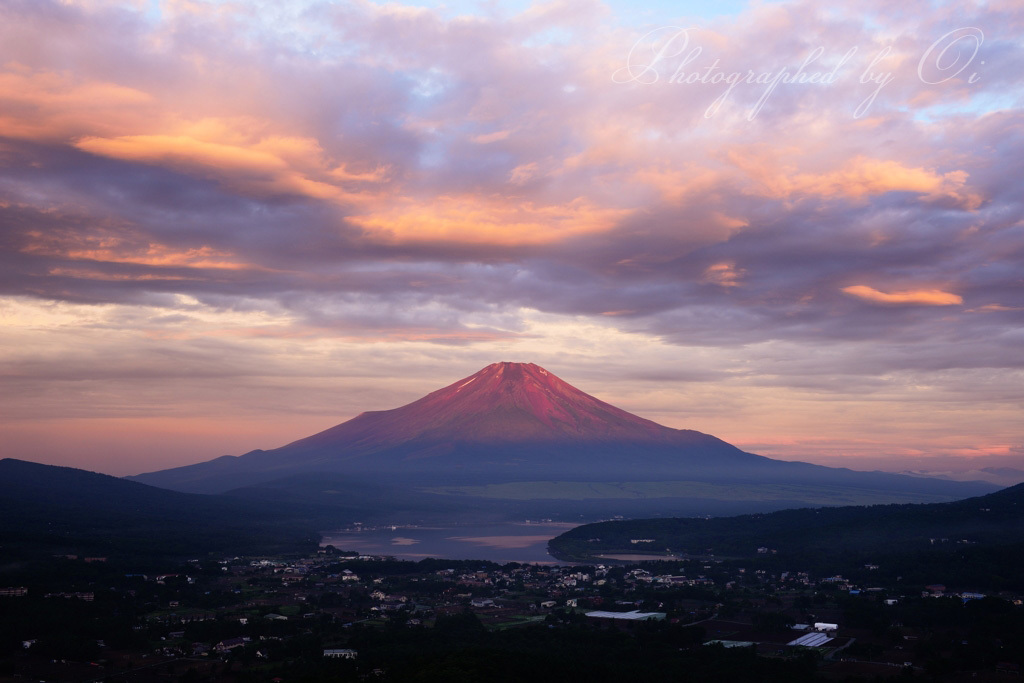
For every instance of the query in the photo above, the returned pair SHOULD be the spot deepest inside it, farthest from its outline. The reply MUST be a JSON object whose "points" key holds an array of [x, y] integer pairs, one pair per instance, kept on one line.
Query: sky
{"points": [[794, 225]]}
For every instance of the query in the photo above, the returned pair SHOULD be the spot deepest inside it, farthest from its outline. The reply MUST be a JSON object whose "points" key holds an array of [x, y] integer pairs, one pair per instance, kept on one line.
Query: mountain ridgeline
{"points": [[47, 510], [514, 431], [975, 540]]}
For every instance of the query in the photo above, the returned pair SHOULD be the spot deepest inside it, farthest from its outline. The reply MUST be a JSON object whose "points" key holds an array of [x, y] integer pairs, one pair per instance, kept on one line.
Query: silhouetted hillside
{"points": [[990, 526], [47, 509]]}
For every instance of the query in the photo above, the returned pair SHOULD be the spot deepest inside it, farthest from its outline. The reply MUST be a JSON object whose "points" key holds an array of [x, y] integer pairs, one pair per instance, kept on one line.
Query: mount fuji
{"points": [[516, 430]]}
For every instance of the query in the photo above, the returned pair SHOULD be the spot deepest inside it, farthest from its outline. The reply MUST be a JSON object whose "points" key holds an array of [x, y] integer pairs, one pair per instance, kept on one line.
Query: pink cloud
{"points": [[486, 220], [923, 297], [724, 274]]}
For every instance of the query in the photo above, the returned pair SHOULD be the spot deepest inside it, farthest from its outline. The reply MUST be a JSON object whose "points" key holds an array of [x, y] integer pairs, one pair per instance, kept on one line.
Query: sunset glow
{"points": [[228, 225]]}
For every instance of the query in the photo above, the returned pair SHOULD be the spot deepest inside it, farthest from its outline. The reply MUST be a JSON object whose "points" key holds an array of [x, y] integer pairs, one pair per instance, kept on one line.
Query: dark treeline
{"points": [[975, 542]]}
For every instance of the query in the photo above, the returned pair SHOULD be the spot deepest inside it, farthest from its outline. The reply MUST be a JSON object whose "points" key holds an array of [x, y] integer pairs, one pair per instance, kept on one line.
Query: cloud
{"points": [[44, 104], [923, 297], [267, 166], [859, 178], [116, 247], [491, 221], [995, 308], [724, 274], [488, 138]]}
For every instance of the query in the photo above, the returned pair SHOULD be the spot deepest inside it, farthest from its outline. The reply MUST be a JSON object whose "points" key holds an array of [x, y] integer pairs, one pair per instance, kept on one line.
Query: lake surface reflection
{"points": [[512, 542]]}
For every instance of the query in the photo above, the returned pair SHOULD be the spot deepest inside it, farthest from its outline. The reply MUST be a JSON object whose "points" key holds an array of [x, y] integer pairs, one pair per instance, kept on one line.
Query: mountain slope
{"points": [[517, 422], [47, 509], [992, 519], [502, 403]]}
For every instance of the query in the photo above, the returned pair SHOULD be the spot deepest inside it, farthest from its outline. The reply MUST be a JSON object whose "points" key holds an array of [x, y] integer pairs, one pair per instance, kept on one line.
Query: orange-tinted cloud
{"points": [[486, 220], [724, 274], [87, 274], [44, 104], [858, 178], [109, 247], [268, 166], [921, 297], [995, 308]]}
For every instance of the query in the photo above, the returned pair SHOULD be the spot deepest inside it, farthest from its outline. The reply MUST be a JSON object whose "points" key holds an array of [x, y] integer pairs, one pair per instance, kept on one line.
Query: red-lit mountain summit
{"points": [[503, 403], [514, 422]]}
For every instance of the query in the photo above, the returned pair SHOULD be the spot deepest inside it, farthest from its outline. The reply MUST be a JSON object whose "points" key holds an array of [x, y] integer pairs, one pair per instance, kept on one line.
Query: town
{"points": [[336, 615]]}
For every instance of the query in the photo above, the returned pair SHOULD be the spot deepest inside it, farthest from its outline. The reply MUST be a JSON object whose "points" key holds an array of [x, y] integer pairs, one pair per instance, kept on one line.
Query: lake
{"points": [[511, 542]]}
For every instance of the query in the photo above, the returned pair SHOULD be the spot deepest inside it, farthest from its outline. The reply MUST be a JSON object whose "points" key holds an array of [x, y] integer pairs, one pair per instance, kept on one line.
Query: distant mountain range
{"points": [[1000, 476], [516, 432]]}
